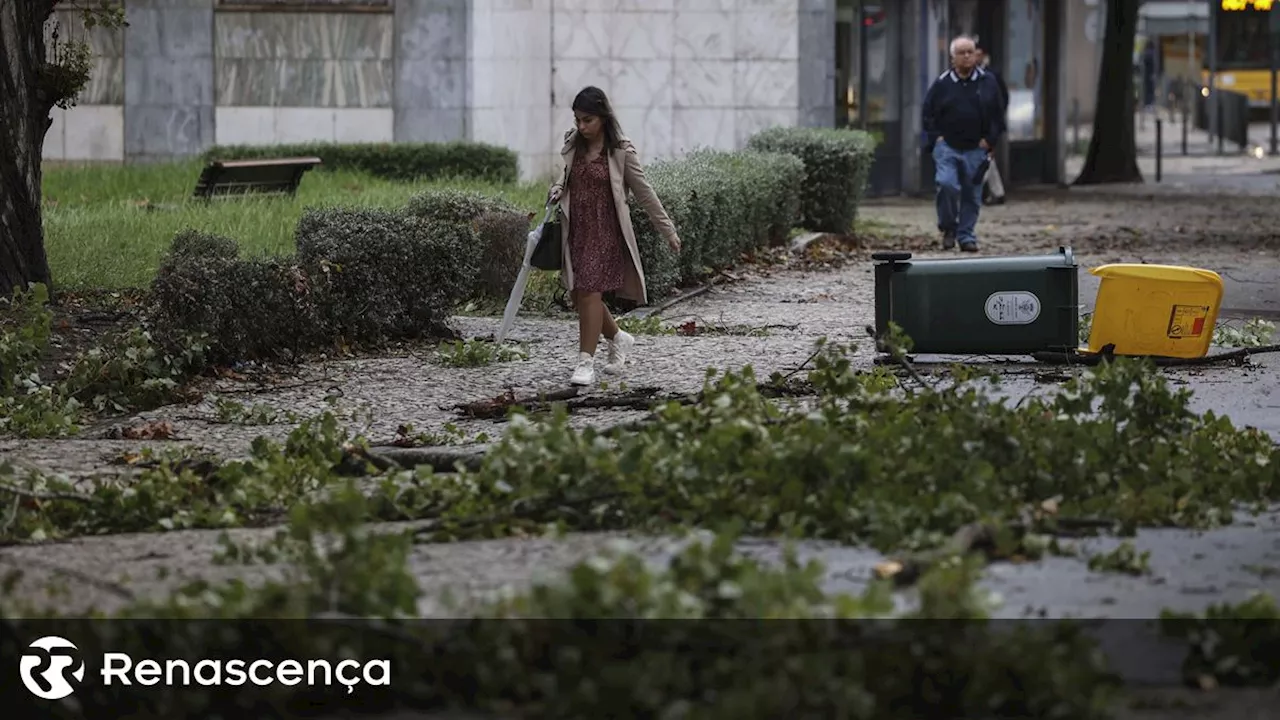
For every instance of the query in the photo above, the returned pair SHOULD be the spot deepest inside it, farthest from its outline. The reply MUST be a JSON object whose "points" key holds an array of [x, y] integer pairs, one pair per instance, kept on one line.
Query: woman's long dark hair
{"points": [[591, 100]]}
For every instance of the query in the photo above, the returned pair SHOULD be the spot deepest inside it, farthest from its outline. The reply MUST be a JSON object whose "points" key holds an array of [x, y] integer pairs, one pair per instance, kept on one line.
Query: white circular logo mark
{"points": [[1013, 308], [47, 671]]}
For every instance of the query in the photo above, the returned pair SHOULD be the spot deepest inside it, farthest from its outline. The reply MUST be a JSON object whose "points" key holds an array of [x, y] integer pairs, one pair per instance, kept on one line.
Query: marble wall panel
{"points": [[513, 83], [680, 73], [304, 36], [168, 78], [766, 34], [703, 127], [106, 81], [703, 83], [307, 4], [432, 69], [642, 36], [55, 139], [290, 82], [703, 34], [749, 121], [817, 63], [271, 125], [92, 133], [305, 59], [765, 83]]}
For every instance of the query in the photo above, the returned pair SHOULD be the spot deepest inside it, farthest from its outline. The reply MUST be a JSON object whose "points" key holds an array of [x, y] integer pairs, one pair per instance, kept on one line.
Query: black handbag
{"points": [[980, 176], [548, 255]]}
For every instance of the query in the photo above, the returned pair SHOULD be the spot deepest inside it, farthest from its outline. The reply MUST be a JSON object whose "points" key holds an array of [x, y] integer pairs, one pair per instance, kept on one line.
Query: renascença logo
{"points": [[46, 677], [52, 680]]}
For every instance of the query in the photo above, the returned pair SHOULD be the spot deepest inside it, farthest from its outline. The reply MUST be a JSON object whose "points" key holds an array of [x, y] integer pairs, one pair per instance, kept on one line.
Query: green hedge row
{"points": [[392, 161], [837, 163], [724, 204], [365, 276], [361, 276]]}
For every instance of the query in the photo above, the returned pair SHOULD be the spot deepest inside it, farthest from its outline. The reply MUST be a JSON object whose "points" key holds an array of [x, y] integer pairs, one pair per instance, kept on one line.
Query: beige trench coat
{"points": [[625, 173]]}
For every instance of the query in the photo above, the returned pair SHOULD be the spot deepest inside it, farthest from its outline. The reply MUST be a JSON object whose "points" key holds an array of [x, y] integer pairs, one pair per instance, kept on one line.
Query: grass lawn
{"points": [[108, 226]]}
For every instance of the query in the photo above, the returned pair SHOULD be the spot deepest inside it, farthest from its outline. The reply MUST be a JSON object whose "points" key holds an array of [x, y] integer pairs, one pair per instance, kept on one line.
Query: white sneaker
{"points": [[619, 347], [585, 373]]}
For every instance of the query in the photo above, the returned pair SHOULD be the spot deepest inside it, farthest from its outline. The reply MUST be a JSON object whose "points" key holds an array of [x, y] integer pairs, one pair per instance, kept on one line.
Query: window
{"points": [[848, 65], [868, 63], [1024, 70], [882, 62], [1242, 40]]}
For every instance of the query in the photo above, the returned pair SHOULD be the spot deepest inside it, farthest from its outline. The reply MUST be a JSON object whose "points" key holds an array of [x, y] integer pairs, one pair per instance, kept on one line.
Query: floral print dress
{"points": [[596, 245]]}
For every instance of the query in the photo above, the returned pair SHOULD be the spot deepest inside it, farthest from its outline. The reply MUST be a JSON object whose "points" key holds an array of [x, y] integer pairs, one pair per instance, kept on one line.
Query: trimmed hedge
{"points": [[386, 274], [500, 227], [837, 163], [364, 276], [249, 308], [723, 204], [361, 277], [392, 161]]}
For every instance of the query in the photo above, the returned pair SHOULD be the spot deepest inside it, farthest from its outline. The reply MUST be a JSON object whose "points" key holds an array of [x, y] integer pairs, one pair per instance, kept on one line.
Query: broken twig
{"points": [[44, 495], [896, 354]]}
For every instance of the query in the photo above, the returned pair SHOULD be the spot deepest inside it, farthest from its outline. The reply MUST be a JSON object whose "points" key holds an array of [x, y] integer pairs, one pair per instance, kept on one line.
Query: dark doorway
{"points": [[984, 21], [1017, 36], [869, 83]]}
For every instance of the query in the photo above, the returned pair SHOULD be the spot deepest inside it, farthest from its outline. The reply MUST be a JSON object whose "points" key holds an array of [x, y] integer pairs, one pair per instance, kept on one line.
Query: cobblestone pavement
{"points": [[1237, 236]]}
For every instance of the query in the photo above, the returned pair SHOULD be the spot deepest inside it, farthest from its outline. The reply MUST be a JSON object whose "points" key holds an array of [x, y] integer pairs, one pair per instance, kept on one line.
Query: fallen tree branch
{"points": [[44, 495], [981, 538], [497, 407], [898, 356], [641, 313], [1072, 358], [514, 514], [641, 399], [440, 458]]}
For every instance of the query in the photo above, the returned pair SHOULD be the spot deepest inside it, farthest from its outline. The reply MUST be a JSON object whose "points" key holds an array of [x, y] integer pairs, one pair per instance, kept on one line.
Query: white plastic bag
{"points": [[517, 290]]}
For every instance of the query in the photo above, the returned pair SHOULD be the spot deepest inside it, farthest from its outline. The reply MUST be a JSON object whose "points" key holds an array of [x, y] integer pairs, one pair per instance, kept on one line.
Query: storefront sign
{"points": [[1238, 5]]}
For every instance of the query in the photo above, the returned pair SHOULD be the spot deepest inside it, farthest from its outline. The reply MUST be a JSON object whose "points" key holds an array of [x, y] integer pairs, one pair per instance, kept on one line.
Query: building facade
{"points": [[187, 74]]}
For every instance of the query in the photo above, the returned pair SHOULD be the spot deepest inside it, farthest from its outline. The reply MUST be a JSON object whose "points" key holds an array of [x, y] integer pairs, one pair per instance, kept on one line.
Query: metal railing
{"points": [[1232, 117]]}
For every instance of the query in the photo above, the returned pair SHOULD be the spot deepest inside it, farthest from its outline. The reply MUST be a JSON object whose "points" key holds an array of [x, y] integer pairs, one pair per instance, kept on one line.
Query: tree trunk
{"points": [[1113, 149], [24, 121]]}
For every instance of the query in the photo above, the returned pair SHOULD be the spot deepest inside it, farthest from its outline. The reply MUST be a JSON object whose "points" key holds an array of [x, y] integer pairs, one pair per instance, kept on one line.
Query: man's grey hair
{"points": [[959, 39]]}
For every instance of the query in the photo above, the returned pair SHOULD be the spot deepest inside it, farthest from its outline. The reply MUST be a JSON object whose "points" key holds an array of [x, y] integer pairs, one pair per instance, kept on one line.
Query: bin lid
{"points": [[1165, 273], [891, 256]]}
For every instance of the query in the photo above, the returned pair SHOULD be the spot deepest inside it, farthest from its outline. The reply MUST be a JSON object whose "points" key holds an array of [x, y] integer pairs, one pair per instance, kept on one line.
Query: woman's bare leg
{"points": [[608, 326], [591, 314]]}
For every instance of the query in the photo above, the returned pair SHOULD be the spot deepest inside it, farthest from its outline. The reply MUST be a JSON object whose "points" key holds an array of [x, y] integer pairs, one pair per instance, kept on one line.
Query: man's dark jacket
{"points": [[964, 111], [1004, 90]]}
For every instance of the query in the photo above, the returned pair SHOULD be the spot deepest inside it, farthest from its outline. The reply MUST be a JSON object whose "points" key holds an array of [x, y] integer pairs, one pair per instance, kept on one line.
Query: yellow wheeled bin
{"points": [[1156, 310]]}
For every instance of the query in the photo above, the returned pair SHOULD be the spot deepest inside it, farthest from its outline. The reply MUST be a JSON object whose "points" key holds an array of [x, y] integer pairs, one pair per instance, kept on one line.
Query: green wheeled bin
{"points": [[980, 306]]}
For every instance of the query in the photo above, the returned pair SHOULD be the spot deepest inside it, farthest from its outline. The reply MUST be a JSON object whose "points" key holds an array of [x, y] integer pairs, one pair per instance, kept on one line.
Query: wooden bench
{"points": [[232, 178]]}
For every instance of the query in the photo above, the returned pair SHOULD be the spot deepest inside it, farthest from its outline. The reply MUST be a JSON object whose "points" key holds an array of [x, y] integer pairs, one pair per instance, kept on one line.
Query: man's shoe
{"points": [[948, 240], [971, 246], [992, 200], [619, 347], [585, 373]]}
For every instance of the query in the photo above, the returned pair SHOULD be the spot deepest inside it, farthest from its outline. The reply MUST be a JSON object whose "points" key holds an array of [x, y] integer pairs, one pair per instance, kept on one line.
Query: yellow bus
{"points": [[1244, 65]]}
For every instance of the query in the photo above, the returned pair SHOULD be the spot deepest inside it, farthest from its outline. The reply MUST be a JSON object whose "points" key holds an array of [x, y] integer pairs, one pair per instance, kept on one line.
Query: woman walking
{"points": [[601, 254]]}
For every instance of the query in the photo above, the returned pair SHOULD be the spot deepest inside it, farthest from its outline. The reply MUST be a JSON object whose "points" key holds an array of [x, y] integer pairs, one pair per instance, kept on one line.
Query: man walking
{"points": [[963, 121], [993, 191]]}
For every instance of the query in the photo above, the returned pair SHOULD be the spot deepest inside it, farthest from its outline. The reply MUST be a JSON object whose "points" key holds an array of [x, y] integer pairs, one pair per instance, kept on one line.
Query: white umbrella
{"points": [[517, 290]]}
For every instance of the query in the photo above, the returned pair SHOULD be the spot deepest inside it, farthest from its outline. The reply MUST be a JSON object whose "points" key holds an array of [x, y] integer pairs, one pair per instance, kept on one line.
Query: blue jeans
{"points": [[959, 191]]}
